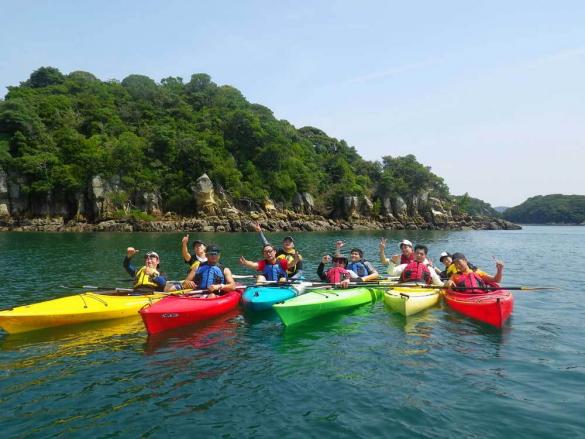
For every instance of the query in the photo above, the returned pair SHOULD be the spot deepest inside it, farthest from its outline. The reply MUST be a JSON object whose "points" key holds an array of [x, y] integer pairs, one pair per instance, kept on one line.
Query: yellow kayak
{"points": [[409, 301], [71, 310]]}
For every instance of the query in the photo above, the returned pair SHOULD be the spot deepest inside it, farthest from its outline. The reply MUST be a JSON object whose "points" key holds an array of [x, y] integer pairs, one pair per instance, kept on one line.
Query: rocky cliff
{"points": [[103, 206]]}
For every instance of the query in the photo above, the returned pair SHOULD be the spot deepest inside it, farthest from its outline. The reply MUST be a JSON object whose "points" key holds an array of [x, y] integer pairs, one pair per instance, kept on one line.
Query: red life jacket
{"points": [[416, 272], [406, 259], [470, 281], [337, 274]]}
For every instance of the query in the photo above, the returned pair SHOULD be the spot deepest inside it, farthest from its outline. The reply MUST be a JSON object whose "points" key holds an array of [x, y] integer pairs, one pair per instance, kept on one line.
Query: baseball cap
{"points": [[444, 255], [405, 242], [213, 250], [458, 256]]}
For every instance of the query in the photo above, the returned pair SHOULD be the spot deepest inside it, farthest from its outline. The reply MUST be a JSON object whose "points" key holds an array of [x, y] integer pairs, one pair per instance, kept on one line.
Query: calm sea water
{"points": [[360, 373]]}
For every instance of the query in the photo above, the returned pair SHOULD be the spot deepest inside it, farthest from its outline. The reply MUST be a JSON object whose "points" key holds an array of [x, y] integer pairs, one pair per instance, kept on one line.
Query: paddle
{"points": [[196, 292], [320, 282], [442, 287], [93, 287]]}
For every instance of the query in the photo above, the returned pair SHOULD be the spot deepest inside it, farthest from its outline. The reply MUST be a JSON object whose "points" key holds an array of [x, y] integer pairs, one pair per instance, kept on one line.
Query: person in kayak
{"points": [[270, 268], [406, 253], [337, 274], [417, 270], [288, 252], [363, 268], [473, 281], [147, 278], [447, 260], [211, 275], [198, 256]]}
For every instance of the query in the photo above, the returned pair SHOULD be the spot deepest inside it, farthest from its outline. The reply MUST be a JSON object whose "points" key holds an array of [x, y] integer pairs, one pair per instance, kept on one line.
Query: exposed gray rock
{"points": [[400, 208], [105, 197], [4, 199], [205, 196], [113, 226], [365, 206], [148, 202], [386, 207], [247, 205], [303, 203], [18, 199], [350, 207]]}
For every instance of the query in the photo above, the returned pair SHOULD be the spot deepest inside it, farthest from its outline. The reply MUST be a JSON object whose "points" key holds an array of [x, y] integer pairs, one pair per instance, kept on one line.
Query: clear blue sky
{"points": [[490, 94]]}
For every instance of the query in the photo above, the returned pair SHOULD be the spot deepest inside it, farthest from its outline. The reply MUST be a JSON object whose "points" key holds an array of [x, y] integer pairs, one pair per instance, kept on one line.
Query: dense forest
{"points": [[548, 209], [58, 131]]}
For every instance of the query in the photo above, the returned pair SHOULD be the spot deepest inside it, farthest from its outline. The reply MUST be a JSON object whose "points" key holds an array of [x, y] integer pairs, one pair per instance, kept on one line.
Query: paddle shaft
{"points": [[440, 287]]}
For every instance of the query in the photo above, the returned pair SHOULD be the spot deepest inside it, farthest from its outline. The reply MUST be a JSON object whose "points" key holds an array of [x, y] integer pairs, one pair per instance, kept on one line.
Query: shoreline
{"points": [[296, 223]]}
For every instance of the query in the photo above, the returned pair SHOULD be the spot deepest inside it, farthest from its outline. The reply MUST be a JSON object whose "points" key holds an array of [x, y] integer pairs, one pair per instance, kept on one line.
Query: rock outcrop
{"points": [[205, 196], [97, 208], [4, 199]]}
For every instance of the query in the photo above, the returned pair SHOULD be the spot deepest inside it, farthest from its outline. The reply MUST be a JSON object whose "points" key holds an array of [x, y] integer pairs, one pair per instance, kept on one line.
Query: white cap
{"points": [[442, 255], [405, 242]]}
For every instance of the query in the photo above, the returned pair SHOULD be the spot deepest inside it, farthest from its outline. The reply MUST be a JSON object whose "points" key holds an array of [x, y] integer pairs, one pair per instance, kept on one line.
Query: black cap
{"points": [[359, 250], [340, 258], [213, 250], [288, 238], [458, 256]]}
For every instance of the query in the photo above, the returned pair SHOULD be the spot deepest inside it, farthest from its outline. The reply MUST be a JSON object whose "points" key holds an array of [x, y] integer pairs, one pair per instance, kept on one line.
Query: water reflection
{"points": [[70, 341], [200, 336]]}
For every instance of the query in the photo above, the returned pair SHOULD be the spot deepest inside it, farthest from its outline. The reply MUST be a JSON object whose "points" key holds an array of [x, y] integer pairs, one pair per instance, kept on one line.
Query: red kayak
{"points": [[175, 311], [491, 307]]}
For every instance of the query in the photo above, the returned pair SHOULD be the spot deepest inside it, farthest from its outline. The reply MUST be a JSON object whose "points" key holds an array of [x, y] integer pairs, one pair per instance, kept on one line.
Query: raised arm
{"points": [[338, 246], [321, 267], [184, 249], [130, 269], [382, 246], [257, 227], [499, 273], [249, 264]]}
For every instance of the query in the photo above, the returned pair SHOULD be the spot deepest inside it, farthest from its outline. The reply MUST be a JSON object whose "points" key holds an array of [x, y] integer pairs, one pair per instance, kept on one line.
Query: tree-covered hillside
{"points": [[59, 131], [547, 209], [474, 206]]}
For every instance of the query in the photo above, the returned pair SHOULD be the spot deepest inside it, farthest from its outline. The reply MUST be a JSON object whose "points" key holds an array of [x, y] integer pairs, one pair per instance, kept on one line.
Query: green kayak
{"points": [[318, 302]]}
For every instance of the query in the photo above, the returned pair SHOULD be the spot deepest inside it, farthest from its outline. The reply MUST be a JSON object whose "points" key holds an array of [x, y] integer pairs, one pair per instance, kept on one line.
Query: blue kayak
{"points": [[262, 297]]}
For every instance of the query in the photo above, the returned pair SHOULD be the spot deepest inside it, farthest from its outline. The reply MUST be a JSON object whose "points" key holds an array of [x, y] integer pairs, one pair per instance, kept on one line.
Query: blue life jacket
{"points": [[274, 272], [208, 275], [358, 268]]}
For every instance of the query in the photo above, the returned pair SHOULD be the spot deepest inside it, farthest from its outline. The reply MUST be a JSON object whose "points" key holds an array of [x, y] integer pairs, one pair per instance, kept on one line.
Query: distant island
{"points": [[549, 209], [78, 153]]}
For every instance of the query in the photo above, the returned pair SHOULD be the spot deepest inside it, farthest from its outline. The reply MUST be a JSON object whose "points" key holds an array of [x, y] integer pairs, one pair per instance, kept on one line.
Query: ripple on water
{"points": [[366, 372]]}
